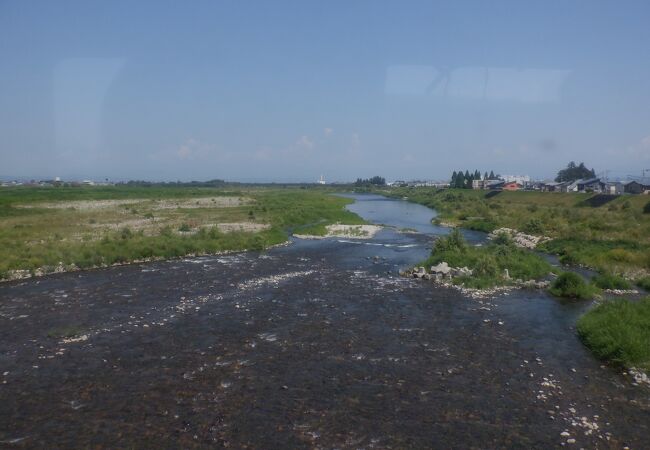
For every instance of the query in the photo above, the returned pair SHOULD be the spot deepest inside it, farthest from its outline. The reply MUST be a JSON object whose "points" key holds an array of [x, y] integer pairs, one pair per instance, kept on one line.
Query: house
{"points": [[571, 186], [511, 186], [494, 185], [484, 184], [522, 180], [590, 185], [553, 186], [640, 186], [614, 188]]}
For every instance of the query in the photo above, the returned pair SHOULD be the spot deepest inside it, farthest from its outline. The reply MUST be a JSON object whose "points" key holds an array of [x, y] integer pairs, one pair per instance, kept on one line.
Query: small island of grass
{"points": [[500, 263]]}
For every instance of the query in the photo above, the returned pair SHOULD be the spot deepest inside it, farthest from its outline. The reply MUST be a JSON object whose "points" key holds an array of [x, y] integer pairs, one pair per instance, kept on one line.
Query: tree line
{"points": [[374, 181], [463, 180]]}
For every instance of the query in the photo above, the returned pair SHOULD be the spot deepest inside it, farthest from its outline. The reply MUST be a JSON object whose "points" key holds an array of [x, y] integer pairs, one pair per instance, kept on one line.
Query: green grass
{"points": [[619, 331], [572, 285], [644, 283], [36, 237], [487, 262], [609, 281], [611, 237]]}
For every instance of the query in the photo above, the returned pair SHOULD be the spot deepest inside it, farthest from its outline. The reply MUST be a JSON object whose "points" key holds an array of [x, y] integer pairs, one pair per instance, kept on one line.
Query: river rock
{"points": [[442, 268], [420, 273]]}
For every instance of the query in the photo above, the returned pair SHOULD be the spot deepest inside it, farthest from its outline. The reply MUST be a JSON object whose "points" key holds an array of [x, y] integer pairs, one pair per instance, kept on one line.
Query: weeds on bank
{"points": [[611, 236], [35, 238], [572, 285], [489, 262], [619, 331]]}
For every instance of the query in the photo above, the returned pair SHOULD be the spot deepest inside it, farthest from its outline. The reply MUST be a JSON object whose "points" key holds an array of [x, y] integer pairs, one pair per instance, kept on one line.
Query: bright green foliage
{"points": [[619, 331], [610, 281], [572, 285], [487, 262]]}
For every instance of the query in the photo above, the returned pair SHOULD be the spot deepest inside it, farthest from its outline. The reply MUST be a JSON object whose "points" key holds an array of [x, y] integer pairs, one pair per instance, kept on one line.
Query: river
{"points": [[318, 344]]}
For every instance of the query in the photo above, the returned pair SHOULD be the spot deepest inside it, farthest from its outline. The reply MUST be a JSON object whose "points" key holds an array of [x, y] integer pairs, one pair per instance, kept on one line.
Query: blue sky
{"points": [[287, 91]]}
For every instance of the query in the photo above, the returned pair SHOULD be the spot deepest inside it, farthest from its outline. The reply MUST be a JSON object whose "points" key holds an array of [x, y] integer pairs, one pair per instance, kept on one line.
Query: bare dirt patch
{"points": [[203, 202], [346, 231], [85, 205], [200, 202], [248, 227]]}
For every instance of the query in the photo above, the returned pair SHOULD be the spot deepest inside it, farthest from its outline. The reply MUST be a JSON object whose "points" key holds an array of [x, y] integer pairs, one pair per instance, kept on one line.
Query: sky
{"points": [[289, 91]]}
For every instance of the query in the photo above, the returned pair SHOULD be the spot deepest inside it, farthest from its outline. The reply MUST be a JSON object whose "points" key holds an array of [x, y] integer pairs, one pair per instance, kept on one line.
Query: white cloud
{"points": [[645, 142], [304, 143], [328, 131], [193, 149]]}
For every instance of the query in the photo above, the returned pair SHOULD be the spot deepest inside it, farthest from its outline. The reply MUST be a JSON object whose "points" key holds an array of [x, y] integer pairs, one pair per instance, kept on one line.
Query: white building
{"points": [[519, 179]]}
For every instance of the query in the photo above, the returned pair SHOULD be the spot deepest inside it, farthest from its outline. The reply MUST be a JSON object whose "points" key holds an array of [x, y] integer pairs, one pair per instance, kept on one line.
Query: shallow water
{"points": [[402, 215], [315, 345]]}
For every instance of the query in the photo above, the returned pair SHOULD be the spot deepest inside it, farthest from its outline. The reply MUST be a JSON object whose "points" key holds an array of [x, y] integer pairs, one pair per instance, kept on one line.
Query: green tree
{"points": [[574, 172], [460, 180]]}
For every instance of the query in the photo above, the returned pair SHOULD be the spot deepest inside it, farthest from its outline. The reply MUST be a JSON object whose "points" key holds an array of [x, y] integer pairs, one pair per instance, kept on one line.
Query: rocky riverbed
{"points": [[320, 344]]}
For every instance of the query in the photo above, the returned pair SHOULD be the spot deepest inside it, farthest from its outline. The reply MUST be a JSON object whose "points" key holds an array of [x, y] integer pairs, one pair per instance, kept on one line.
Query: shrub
{"points": [[619, 331], [610, 281], [126, 233], [454, 241], [485, 226], [646, 208], [486, 266], [184, 227], [572, 285], [644, 283], [568, 259], [534, 226], [503, 239]]}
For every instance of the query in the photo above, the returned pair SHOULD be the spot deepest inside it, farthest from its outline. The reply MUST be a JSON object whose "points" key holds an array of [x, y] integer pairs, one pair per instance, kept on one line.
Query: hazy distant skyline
{"points": [[287, 91]]}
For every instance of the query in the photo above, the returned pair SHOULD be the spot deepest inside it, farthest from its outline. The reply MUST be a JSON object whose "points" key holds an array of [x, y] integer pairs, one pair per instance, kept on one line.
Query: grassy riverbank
{"points": [[619, 331], [42, 228], [609, 234], [488, 263]]}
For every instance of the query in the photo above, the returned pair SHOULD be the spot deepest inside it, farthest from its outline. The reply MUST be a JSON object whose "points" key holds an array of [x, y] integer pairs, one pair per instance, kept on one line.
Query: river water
{"points": [[318, 344]]}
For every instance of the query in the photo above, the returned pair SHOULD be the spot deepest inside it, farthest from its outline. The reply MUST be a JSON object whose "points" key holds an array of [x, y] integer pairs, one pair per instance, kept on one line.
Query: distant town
{"points": [[574, 178]]}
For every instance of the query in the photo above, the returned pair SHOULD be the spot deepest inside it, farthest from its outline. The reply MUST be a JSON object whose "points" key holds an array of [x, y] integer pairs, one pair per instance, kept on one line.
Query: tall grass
{"points": [[572, 285], [612, 237], [619, 331], [488, 262]]}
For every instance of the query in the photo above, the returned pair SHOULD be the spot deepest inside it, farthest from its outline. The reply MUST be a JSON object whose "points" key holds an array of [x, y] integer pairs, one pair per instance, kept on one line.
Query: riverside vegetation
{"points": [[488, 263], [619, 331], [609, 234], [53, 229]]}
